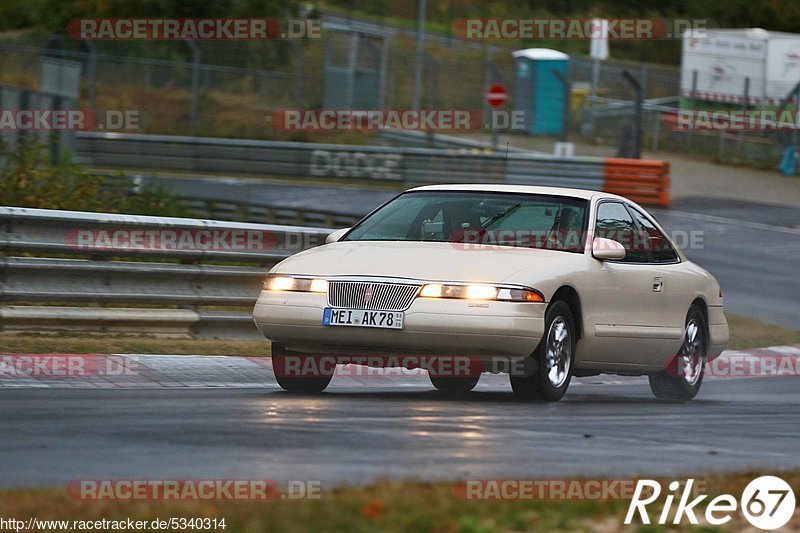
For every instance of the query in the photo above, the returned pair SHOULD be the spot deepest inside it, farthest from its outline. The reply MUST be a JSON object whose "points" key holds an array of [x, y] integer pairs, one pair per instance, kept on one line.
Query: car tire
{"points": [[683, 375], [450, 385], [300, 384], [553, 360]]}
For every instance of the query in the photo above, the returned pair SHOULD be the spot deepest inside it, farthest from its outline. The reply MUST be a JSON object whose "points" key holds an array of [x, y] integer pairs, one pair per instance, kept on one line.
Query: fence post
{"points": [[384, 66], [745, 102], [643, 69], [92, 72], [656, 130], [593, 94], [417, 97], [692, 103], [352, 61], [195, 85], [797, 113], [299, 71], [566, 116], [637, 114]]}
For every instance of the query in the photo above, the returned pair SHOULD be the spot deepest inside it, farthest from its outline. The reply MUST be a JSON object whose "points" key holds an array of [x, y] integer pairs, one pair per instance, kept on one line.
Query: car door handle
{"points": [[658, 284]]}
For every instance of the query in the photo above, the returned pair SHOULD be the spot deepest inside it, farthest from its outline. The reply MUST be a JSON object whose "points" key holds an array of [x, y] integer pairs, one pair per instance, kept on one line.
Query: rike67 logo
{"points": [[767, 502]]}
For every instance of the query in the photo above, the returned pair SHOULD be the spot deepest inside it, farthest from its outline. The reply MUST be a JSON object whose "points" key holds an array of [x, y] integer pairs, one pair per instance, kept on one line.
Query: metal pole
{"points": [[54, 139], [92, 74], [637, 114], [692, 102], [593, 93], [488, 78], [567, 111], [783, 105], [420, 49], [744, 107], [351, 69], [384, 66], [643, 70], [195, 86], [299, 72], [797, 112]]}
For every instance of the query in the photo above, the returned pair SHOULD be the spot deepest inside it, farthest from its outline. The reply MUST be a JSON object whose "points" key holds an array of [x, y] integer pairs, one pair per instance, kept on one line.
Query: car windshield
{"points": [[470, 217]]}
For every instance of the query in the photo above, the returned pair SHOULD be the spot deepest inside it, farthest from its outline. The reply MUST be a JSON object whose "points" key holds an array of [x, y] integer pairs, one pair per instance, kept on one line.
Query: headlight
{"points": [[480, 292], [290, 283]]}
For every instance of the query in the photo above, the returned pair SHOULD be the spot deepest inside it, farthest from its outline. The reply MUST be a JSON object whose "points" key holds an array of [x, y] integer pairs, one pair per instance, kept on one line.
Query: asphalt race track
{"points": [[221, 418], [752, 249]]}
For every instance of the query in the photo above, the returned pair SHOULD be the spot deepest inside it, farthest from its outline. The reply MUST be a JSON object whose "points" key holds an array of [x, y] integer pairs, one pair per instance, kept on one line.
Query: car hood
{"points": [[429, 261]]}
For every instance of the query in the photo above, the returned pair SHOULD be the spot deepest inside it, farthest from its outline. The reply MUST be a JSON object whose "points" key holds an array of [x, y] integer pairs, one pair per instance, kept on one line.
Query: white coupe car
{"points": [[543, 283]]}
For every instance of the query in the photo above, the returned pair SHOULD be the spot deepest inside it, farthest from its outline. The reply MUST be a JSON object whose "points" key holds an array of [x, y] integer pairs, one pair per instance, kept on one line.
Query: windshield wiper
{"points": [[497, 216]]}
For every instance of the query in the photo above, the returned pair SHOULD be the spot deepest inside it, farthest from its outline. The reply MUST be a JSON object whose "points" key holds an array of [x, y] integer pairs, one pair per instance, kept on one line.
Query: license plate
{"points": [[362, 318]]}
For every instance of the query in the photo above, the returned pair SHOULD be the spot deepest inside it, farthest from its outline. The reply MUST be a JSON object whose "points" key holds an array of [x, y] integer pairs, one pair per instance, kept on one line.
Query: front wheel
{"points": [[681, 378], [552, 360], [451, 385], [301, 373]]}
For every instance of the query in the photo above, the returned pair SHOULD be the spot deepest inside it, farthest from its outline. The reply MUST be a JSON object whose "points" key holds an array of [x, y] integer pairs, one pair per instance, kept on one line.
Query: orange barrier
{"points": [[643, 181]]}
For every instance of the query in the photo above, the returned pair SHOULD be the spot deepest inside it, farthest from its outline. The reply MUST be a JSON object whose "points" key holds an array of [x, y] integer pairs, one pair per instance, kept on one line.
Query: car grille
{"points": [[370, 295]]}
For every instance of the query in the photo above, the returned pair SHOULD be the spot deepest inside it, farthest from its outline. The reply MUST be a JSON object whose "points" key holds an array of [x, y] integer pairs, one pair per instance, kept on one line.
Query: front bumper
{"points": [[431, 326]]}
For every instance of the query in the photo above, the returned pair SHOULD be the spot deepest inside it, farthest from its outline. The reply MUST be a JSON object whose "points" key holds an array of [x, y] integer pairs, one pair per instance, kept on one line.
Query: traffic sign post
{"points": [[496, 96]]}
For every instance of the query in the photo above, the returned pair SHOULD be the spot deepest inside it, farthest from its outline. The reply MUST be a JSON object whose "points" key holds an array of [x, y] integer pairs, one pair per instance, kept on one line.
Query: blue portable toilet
{"points": [[538, 92]]}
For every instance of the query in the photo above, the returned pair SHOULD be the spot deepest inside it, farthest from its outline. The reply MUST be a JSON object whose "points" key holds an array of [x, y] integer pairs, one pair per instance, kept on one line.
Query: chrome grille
{"points": [[371, 295]]}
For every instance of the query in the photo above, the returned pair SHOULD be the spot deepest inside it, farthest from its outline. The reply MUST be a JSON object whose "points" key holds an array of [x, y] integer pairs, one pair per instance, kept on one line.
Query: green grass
{"points": [[386, 506], [751, 333], [138, 344]]}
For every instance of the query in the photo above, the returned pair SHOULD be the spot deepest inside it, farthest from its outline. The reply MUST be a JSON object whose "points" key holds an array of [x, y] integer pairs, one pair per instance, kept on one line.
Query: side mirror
{"points": [[607, 249], [336, 235]]}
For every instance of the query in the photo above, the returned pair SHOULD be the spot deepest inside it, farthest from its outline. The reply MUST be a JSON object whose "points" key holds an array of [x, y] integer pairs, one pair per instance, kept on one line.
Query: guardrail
{"points": [[265, 214], [133, 273], [402, 166]]}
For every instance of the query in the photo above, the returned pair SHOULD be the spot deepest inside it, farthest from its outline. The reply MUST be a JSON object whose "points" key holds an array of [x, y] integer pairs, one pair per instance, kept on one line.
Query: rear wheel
{"points": [[681, 379], [300, 373], [454, 385], [552, 360]]}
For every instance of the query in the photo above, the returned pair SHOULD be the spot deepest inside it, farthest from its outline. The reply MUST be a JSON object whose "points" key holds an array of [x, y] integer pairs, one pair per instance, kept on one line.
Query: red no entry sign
{"points": [[496, 95]]}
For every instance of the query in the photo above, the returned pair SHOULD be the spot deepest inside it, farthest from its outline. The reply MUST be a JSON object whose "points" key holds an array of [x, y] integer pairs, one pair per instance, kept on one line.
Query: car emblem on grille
{"points": [[368, 295]]}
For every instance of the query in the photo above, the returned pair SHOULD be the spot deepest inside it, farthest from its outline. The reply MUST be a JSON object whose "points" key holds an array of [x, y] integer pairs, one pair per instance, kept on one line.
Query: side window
{"points": [[615, 223], [659, 246]]}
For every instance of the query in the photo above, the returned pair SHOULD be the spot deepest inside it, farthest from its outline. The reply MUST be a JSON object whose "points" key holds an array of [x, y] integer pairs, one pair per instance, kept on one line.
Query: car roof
{"points": [[585, 194]]}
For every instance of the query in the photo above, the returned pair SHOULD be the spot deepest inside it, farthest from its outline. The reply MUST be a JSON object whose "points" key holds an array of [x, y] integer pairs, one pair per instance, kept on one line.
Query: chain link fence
{"points": [[235, 99]]}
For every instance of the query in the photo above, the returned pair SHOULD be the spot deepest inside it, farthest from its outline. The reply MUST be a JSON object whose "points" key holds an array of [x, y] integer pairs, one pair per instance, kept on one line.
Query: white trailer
{"points": [[723, 59]]}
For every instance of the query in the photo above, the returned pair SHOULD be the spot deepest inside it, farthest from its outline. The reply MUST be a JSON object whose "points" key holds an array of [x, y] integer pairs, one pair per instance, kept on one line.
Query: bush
{"points": [[29, 179]]}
